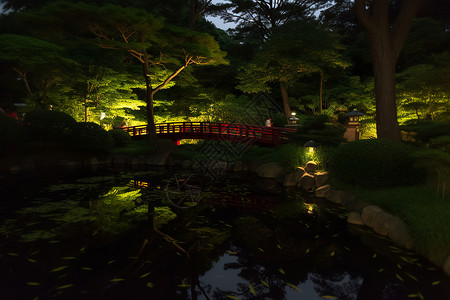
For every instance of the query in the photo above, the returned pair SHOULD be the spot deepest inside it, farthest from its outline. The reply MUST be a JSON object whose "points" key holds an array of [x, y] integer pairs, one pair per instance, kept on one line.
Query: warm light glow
{"points": [[310, 208], [311, 150]]}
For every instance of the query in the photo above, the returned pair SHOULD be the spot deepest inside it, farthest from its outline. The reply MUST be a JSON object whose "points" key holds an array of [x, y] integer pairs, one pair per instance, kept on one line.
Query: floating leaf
{"points": [[232, 297], [252, 290], [413, 296], [117, 279], [32, 283], [265, 283], [329, 297], [145, 275], [231, 252], [399, 266], [293, 286], [65, 286], [68, 257], [436, 282], [420, 296], [187, 225], [279, 247], [412, 277], [58, 269], [399, 277], [86, 268], [111, 261], [281, 271], [13, 254], [431, 269], [316, 237], [374, 256], [260, 249], [184, 285], [380, 270], [82, 249], [347, 248], [149, 284], [307, 250], [332, 253], [32, 260]]}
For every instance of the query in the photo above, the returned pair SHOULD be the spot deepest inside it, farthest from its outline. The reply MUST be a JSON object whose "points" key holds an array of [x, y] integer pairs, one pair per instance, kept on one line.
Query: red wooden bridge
{"points": [[238, 133]]}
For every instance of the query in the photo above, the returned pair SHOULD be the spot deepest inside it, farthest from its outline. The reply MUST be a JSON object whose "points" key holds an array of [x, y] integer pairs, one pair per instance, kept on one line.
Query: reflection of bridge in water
{"points": [[236, 133]]}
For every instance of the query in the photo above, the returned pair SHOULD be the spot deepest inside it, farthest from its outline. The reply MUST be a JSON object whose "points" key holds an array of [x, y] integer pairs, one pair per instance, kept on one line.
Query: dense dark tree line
{"points": [[138, 60]]}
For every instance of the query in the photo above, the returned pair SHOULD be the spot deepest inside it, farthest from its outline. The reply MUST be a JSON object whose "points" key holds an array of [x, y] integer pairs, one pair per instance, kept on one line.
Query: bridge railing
{"points": [[213, 130]]}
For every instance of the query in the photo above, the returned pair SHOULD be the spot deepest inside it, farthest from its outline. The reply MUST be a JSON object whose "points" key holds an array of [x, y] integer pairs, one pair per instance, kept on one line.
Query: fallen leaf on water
{"points": [[86, 268], [281, 271], [413, 296], [252, 290], [399, 277], [68, 257], [420, 296], [184, 285], [58, 269], [145, 275], [279, 247], [329, 297], [149, 284], [399, 266], [436, 282], [13, 254], [332, 253], [117, 279], [32, 260], [232, 297], [412, 277], [65, 286], [265, 283], [307, 250], [231, 252], [260, 249], [380, 270], [374, 256], [293, 286], [33, 283]]}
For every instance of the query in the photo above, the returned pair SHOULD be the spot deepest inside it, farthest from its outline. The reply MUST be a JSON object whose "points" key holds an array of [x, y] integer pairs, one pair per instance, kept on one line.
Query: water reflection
{"points": [[93, 238]]}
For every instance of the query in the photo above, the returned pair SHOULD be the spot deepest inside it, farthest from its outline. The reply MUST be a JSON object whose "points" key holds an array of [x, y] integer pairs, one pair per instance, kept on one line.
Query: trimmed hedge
{"points": [[90, 136], [374, 164], [120, 137], [49, 124]]}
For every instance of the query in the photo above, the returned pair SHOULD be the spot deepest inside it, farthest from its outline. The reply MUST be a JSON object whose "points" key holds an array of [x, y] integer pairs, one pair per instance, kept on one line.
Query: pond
{"points": [[89, 236]]}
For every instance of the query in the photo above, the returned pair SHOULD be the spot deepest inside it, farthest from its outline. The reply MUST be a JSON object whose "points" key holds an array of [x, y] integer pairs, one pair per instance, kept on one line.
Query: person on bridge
{"points": [[269, 122]]}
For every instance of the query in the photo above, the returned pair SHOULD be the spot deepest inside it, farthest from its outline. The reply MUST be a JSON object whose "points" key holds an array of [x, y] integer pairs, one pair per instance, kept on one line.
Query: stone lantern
{"points": [[352, 133]]}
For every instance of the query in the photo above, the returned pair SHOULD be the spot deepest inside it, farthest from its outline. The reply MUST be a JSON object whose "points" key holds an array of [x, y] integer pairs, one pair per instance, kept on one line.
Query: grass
{"points": [[427, 215]]}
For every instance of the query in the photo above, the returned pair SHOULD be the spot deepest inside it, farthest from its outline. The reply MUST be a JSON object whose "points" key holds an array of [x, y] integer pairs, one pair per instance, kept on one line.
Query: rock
{"points": [[355, 218], [353, 204], [306, 182], [269, 170], [292, 178], [369, 214], [321, 191], [446, 266], [338, 196], [399, 233], [311, 167], [238, 166], [321, 178], [377, 219]]}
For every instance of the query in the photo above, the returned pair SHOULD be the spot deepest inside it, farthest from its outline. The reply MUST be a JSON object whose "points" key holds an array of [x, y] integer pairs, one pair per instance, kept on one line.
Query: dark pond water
{"points": [[89, 237]]}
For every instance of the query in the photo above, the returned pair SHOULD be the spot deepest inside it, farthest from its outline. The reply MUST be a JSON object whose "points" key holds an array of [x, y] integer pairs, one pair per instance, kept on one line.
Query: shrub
{"points": [[318, 129], [423, 131], [49, 124], [91, 137], [374, 164], [120, 137], [12, 133]]}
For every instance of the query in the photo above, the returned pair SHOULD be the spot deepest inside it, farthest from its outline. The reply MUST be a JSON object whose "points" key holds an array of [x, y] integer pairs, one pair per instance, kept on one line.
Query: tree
{"points": [[289, 55], [38, 63], [262, 16], [163, 51], [386, 41]]}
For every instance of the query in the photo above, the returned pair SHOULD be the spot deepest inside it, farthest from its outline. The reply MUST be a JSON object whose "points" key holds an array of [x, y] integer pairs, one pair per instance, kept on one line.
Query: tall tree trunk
{"points": [[287, 107], [386, 41], [149, 100], [320, 93]]}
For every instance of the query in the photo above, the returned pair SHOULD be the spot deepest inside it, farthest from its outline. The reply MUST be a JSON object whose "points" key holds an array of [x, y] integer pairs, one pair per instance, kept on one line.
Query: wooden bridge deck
{"points": [[237, 133]]}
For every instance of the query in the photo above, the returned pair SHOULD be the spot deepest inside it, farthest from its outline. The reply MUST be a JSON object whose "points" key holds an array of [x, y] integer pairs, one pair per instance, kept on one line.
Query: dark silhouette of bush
{"points": [[318, 129], [374, 164], [90, 137], [120, 137], [12, 134], [422, 131], [49, 125]]}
